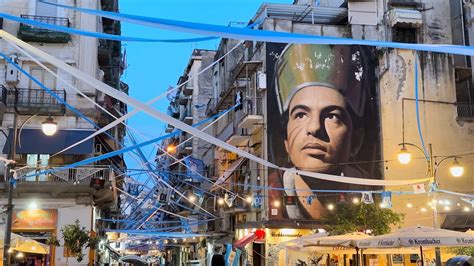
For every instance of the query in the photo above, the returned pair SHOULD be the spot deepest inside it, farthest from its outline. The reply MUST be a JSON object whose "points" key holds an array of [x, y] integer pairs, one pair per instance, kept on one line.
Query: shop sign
{"points": [[34, 219]]}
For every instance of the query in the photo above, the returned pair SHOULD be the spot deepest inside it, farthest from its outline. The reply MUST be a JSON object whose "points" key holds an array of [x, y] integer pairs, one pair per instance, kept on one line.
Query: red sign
{"points": [[34, 219]]}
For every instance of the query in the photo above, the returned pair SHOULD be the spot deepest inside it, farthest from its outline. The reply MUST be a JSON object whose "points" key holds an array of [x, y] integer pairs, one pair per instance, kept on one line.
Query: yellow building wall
{"points": [[439, 124]]}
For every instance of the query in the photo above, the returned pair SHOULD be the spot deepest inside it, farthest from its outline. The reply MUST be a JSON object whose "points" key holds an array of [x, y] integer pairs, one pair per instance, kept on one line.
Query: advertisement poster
{"points": [[324, 119]]}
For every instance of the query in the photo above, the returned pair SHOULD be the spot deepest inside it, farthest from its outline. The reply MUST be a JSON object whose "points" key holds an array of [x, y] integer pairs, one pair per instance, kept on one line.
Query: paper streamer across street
{"points": [[187, 128], [263, 35]]}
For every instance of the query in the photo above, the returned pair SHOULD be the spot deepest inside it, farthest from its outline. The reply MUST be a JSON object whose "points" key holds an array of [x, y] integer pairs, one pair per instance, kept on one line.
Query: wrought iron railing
{"points": [[465, 110], [30, 33], [78, 174], [58, 21], [37, 101]]}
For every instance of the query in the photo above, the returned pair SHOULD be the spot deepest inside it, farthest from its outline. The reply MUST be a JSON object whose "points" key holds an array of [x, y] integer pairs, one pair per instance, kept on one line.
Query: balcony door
{"points": [[46, 10], [37, 96], [37, 163]]}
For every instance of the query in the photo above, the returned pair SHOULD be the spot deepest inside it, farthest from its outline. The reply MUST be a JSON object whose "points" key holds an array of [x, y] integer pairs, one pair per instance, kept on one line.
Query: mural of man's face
{"points": [[319, 130]]}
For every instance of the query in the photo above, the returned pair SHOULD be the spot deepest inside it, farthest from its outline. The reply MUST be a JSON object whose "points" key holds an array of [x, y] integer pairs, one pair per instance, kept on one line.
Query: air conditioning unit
{"points": [[261, 81], [11, 72]]}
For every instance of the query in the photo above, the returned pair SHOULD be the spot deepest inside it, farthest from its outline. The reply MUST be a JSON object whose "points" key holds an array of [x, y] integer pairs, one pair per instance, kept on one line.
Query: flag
{"points": [[386, 199], [257, 201], [419, 188], [367, 198]]}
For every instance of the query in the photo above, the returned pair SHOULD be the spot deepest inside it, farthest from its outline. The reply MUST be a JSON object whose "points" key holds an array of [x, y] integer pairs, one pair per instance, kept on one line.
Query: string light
{"points": [[355, 200], [409, 205], [423, 210], [249, 199], [466, 209], [331, 206], [220, 201], [276, 203], [447, 208], [192, 198]]}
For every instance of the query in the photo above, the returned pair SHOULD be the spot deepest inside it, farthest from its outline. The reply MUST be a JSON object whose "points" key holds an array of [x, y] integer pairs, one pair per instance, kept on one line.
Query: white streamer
{"points": [[184, 127]]}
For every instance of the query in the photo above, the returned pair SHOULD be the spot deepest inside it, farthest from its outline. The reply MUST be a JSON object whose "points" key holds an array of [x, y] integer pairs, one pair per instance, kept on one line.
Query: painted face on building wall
{"points": [[319, 130]]}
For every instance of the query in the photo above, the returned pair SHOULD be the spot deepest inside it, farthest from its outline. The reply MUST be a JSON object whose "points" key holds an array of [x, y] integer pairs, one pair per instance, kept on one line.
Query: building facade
{"points": [[444, 85], [45, 202]]}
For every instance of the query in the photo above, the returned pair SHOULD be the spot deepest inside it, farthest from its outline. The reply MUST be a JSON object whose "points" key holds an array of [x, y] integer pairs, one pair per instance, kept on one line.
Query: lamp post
{"points": [[49, 128], [456, 170]]}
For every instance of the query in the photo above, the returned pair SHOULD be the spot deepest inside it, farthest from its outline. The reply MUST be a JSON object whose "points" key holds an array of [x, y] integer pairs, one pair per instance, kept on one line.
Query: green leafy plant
{"points": [[349, 218], [76, 238], [53, 241], [468, 251]]}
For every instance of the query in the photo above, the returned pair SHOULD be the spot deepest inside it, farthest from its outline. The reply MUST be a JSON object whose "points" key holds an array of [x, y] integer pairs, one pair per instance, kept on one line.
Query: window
{"points": [[43, 9], [38, 163], [36, 96]]}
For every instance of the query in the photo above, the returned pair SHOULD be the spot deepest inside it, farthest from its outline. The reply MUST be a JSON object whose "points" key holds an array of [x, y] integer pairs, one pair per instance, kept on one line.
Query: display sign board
{"points": [[35, 219]]}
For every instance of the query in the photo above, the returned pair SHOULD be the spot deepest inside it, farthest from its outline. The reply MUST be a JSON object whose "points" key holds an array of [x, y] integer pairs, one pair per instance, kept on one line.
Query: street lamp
{"points": [[456, 170], [49, 127]]}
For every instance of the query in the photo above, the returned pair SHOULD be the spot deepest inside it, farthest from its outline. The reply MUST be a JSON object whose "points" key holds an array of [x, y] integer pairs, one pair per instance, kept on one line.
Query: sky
{"points": [[153, 67]]}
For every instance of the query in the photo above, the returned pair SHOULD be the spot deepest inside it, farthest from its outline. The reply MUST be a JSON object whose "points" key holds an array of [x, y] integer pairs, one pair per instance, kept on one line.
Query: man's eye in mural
{"points": [[300, 115], [335, 117]]}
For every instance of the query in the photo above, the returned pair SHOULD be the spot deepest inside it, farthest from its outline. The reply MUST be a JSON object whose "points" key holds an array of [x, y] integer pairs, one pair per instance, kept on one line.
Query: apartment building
{"points": [[45, 202], [444, 84]]}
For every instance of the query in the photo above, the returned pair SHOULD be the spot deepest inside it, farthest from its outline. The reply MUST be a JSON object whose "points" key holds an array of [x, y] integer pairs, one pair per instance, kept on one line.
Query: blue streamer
{"points": [[124, 150], [98, 34], [263, 35], [418, 110], [77, 112]]}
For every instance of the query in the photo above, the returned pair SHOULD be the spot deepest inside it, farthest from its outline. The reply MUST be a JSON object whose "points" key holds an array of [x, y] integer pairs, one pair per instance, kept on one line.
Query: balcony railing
{"points": [[79, 174], [465, 110], [253, 106], [36, 101], [30, 33]]}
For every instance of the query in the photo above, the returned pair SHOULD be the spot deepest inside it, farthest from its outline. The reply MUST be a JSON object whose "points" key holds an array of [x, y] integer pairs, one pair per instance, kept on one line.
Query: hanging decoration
{"points": [[309, 200], [386, 199], [257, 201], [367, 198], [419, 188], [262, 35]]}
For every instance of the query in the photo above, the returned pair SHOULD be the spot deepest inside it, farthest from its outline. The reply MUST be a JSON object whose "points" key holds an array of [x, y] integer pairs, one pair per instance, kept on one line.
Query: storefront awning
{"points": [[227, 173], [405, 18], [460, 221], [34, 141], [245, 240]]}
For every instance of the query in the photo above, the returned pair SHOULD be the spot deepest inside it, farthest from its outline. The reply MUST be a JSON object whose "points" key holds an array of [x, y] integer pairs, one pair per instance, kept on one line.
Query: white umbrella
{"points": [[416, 237]]}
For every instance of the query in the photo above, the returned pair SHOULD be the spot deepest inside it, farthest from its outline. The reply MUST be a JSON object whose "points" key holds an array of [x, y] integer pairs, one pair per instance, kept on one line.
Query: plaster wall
{"points": [[440, 126]]}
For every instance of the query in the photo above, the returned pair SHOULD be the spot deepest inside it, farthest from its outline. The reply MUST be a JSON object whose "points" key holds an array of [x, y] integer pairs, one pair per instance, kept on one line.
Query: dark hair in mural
{"points": [[324, 118]]}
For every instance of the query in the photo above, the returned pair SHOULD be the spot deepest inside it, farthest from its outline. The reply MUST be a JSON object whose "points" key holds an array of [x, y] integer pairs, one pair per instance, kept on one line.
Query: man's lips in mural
{"points": [[315, 150]]}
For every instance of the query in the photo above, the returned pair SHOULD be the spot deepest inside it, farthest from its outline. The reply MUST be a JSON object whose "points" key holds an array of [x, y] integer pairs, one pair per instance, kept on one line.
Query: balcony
{"points": [[112, 75], [465, 110], [183, 100], [76, 181], [188, 89], [187, 148], [169, 129], [29, 33], [35, 101], [252, 110], [80, 175]]}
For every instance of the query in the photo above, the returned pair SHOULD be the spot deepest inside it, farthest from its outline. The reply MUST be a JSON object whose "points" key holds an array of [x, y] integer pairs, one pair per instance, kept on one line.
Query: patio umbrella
{"points": [[24, 244], [134, 259], [418, 236]]}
